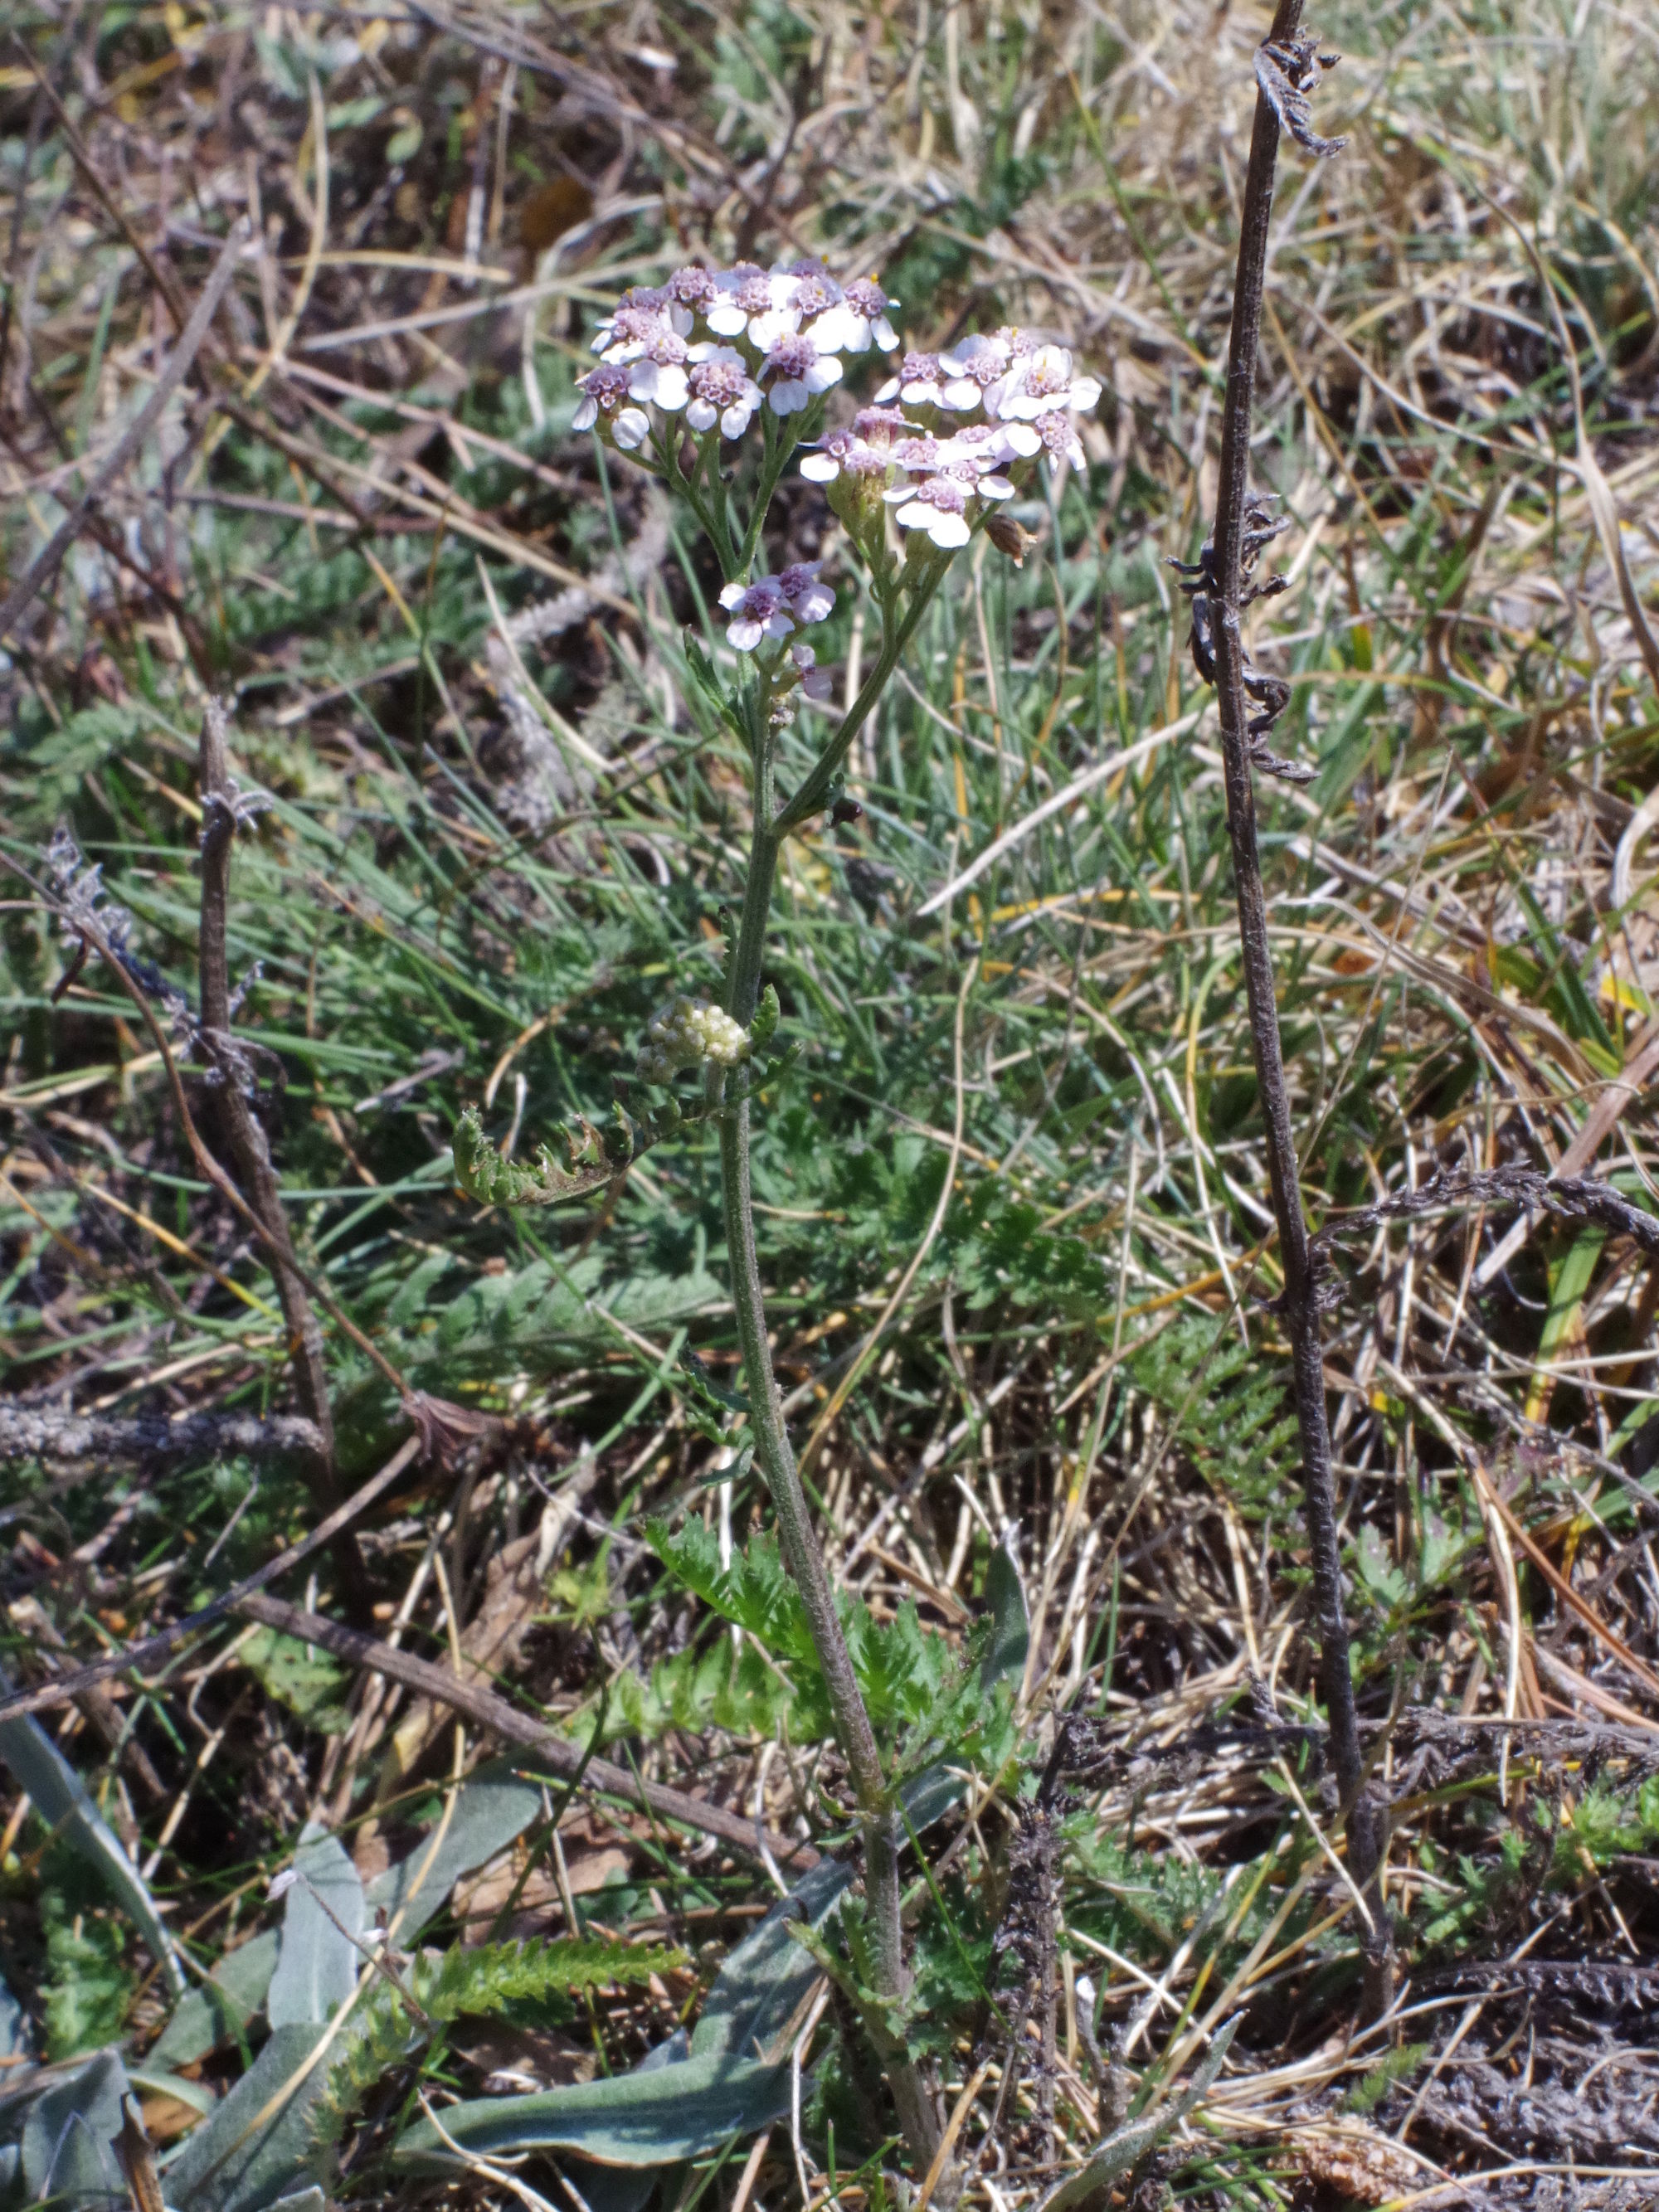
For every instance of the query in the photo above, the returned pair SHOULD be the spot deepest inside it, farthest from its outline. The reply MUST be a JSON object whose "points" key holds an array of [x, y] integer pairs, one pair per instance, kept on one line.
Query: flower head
{"points": [[971, 369], [758, 611], [1039, 383], [918, 382], [1062, 445], [635, 320], [605, 391], [692, 287], [722, 391], [808, 600], [658, 371], [797, 371], [863, 310], [940, 506], [689, 1033], [744, 292]]}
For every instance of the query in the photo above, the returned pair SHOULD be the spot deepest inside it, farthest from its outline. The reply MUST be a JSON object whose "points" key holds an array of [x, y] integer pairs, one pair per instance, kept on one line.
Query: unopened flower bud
{"points": [[688, 1033], [1008, 536]]}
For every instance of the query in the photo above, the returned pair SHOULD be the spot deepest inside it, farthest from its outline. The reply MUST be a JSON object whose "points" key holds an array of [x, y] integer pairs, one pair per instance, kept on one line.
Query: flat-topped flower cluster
{"points": [[948, 437], [994, 401], [715, 345]]}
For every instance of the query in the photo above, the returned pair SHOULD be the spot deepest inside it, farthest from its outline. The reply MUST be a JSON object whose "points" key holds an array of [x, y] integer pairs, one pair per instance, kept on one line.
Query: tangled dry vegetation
{"points": [[1012, 1195]]}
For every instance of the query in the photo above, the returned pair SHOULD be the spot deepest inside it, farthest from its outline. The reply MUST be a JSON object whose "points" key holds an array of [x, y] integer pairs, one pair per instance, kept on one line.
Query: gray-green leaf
{"points": [[317, 1966], [232, 2165], [66, 2151], [60, 1797], [648, 2117], [492, 1807]]}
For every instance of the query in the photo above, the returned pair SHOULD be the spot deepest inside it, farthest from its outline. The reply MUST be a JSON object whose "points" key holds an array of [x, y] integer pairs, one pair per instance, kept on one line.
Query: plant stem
{"points": [[810, 799], [797, 1539], [1300, 1309], [246, 1140]]}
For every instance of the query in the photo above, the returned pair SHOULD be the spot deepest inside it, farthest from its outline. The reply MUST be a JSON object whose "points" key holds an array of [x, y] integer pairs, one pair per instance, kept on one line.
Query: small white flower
{"points": [[939, 507], [626, 332], [970, 370], [865, 450], [758, 611], [1062, 447], [743, 293], [798, 372], [1038, 385], [605, 391], [920, 456], [692, 287], [722, 391], [988, 445], [863, 318], [918, 383], [807, 599], [659, 372]]}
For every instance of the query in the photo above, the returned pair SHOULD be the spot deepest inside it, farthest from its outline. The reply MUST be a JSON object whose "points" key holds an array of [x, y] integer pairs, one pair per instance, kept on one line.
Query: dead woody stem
{"points": [[1300, 1304], [246, 1140]]}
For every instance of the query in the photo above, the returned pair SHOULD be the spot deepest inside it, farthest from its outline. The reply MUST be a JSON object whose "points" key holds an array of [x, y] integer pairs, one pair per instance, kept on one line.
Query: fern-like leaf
{"points": [[480, 1983], [1237, 1427], [584, 1155]]}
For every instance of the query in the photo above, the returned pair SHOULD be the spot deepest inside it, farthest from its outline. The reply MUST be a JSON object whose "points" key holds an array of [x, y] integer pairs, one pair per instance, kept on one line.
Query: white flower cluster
{"points": [[994, 401], [686, 1033], [716, 345]]}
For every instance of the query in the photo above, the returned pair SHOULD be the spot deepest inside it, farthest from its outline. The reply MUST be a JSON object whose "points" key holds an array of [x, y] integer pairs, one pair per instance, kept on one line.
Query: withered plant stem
{"points": [[245, 1141], [1300, 1304]]}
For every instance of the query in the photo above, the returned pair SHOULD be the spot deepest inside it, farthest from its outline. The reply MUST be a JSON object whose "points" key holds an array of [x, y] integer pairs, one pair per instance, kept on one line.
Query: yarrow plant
{"points": [[715, 381]]}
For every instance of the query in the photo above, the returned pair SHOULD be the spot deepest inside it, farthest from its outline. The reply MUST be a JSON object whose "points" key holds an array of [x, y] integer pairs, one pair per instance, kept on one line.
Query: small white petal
{"points": [[586, 416], [1084, 394], [817, 468], [633, 427], [787, 397], [732, 593], [824, 372], [700, 415], [889, 391], [745, 635], [950, 531], [727, 320]]}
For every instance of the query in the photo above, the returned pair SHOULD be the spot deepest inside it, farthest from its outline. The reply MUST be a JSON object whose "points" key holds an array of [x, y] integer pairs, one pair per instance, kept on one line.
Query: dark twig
{"points": [[555, 1752], [1282, 96], [45, 566], [247, 1139]]}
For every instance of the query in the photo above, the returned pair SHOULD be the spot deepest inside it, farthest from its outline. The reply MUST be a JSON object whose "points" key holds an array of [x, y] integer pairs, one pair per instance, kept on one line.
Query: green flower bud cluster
{"points": [[687, 1033]]}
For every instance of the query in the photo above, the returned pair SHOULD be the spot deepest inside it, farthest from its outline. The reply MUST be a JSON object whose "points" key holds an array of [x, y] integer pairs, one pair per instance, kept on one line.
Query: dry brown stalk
{"points": [[247, 1139], [556, 1753], [1299, 1304]]}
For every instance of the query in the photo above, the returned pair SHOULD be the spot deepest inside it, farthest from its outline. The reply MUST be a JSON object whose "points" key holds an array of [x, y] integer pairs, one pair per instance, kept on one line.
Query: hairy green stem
{"points": [[797, 1539], [810, 798]]}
